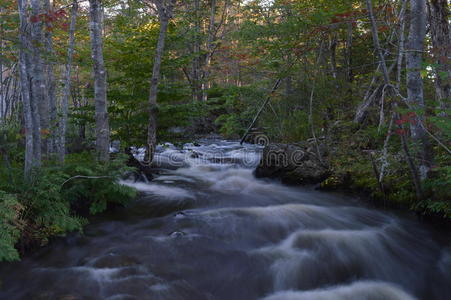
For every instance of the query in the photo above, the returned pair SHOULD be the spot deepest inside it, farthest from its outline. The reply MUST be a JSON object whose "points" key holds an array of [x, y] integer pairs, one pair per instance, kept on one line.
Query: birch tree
{"points": [[40, 103], [211, 44], [100, 92], [50, 78], [415, 93], [31, 122], [196, 67], [67, 82], [164, 9]]}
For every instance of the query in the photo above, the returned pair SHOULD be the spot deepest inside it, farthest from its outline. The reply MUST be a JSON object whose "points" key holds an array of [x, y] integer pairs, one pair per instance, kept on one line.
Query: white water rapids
{"points": [[206, 228]]}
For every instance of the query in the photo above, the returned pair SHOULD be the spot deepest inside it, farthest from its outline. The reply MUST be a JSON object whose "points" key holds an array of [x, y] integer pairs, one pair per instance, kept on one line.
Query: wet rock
{"points": [[177, 234], [293, 164], [180, 214], [143, 172], [195, 154]]}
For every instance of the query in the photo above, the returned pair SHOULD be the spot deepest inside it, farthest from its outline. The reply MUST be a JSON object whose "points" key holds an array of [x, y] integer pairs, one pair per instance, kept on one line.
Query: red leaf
{"points": [[400, 131], [399, 122], [34, 19]]}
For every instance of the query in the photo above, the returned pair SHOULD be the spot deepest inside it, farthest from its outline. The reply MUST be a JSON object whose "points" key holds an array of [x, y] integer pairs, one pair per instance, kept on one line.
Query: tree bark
{"points": [[349, 42], [370, 94], [100, 93], [40, 103], [196, 77], [25, 86], [50, 81], [165, 14], [208, 56], [440, 33], [333, 56], [67, 83], [377, 44], [415, 96]]}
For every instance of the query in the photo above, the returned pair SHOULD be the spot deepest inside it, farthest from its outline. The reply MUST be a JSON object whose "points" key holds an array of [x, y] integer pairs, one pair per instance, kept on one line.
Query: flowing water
{"points": [[205, 228]]}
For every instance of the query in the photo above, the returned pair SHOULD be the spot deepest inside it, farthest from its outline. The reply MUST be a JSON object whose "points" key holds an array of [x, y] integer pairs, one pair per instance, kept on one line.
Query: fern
{"points": [[52, 205], [10, 210]]}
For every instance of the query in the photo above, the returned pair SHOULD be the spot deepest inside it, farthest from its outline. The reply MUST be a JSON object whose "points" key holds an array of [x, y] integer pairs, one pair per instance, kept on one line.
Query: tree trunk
{"points": [[401, 43], [67, 83], [333, 56], [24, 69], [101, 105], [196, 77], [377, 44], [370, 94], [165, 13], [440, 33], [349, 41], [208, 56], [40, 103], [417, 34], [50, 81]]}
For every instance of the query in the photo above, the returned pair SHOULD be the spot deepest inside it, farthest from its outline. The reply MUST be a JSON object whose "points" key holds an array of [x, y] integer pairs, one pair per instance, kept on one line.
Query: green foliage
{"points": [[10, 210], [296, 126], [93, 185], [230, 125], [57, 199], [233, 108]]}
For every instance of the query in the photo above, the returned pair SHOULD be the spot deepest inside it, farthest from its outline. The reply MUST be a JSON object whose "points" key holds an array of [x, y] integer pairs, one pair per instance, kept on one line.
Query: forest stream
{"points": [[209, 229]]}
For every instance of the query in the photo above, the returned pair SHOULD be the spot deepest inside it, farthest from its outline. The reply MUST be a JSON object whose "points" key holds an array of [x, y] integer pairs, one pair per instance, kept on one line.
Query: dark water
{"points": [[210, 230]]}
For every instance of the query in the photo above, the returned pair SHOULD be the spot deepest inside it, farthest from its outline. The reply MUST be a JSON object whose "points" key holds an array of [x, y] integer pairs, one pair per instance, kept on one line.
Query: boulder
{"points": [[292, 164]]}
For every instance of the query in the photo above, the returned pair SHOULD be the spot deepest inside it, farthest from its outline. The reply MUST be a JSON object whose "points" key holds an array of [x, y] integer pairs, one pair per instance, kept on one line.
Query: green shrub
{"points": [[90, 185], [57, 200], [10, 210]]}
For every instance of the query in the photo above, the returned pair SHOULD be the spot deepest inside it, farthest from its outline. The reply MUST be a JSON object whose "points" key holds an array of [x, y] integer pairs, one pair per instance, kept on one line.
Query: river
{"points": [[209, 230]]}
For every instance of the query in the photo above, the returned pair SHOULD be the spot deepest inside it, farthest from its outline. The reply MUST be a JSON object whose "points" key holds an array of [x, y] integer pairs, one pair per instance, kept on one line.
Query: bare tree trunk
{"points": [[333, 56], [349, 42], [417, 34], [67, 83], [165, 14], [371, 94], [40, 104], [196, 77], [101, 105], [413, 169], [440, 33], [312, 126], [402, 40], [24, 68], [260, 110], [377, 44], [50, 81], [210, 46]]}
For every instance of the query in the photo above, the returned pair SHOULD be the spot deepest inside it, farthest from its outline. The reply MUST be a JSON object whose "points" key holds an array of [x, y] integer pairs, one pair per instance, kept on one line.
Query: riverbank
{"points": [[330, 170]]}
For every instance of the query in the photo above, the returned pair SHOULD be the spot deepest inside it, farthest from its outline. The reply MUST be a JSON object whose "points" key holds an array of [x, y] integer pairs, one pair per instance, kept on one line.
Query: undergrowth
{"points": [[57, 200]]}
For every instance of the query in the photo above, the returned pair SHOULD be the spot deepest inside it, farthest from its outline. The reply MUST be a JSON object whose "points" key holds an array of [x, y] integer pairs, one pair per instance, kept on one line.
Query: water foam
{"points": [[363, 290], [167, 192]]}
